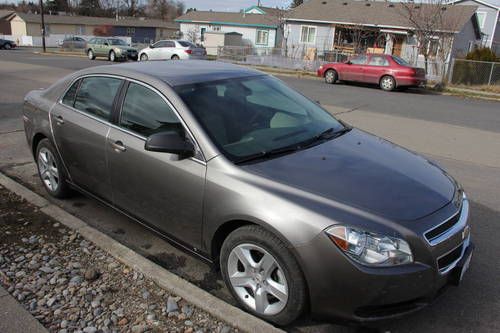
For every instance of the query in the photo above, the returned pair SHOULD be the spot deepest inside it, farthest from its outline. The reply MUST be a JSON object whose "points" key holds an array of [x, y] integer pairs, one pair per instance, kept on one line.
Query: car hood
{"points": [[366, 172], [126, 48]]}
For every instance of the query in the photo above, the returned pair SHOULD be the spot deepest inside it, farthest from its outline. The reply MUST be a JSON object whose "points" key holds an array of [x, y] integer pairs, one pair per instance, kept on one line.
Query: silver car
{"points": [[301, 212], [172, 50]]}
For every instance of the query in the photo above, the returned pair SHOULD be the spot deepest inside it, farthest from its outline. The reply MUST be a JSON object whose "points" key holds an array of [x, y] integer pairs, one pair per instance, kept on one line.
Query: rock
{"points": [[64, 324], [189, 330], [145, 294], [95, 303], [90, 329], [91, 274], [188, 323], [123, 322], [187, 310], [173, 314], [172, 304], [76, 280], [225, 329], [46, 269], [63, 331], [182, 316], [51, 301], [97, 312], [113, 265], [151, 317], [139, 328]]}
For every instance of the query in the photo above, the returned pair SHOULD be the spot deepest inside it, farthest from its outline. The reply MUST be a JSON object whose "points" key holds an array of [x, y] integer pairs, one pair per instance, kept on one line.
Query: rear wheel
{"points": [[7, 46], [51, 171], [175, 57], [144, 57], [91, 54], [263, 275], [331, 76], [112, 56], [387, 83]]}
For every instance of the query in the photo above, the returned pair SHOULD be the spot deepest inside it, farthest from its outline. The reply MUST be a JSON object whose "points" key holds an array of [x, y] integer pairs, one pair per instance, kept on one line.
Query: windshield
{"points": [[400, 61], [254, 115], [116, 41]]}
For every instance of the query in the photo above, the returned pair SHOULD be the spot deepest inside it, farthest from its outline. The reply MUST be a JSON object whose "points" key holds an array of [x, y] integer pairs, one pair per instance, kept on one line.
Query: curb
{"points": [[15, 318], [165, 279]]}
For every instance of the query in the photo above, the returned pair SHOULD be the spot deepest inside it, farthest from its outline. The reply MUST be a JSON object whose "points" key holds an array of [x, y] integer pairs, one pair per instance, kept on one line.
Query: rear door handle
{"points": [[59, 120], [118, 146]]}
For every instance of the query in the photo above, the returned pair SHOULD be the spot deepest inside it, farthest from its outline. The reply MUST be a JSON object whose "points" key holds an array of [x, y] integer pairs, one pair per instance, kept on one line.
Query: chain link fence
{"points": [[474, 73]]}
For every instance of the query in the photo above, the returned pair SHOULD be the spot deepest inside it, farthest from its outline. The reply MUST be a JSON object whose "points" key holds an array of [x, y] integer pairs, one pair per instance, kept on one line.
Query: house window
{"points": [[80, 30], [262, 37], [130, 31], [215, 27], [481, 19], [307, 34]]}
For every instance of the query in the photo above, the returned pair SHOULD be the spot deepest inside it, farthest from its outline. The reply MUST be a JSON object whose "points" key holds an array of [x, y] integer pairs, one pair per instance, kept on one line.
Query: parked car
{"points": [[115, 49], [7, 44], [74, 43], [300, 211], [172, 50], [388, 71]]}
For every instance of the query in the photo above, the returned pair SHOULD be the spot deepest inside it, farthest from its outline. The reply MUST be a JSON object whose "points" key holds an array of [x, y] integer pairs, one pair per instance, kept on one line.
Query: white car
{"points": [[172, 50]]}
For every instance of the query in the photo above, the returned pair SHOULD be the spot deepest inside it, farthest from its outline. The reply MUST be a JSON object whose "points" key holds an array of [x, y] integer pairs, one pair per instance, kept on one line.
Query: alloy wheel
{"points": [[112, 56], [330, 76], [144, 57], [257, 279], [48, 169], [387, 83], [90, 55], [7, 46]]}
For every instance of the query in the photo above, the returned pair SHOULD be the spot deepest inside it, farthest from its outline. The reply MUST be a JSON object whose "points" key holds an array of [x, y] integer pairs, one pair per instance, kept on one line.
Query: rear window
{"points": [[400, 61], [185, 44]]}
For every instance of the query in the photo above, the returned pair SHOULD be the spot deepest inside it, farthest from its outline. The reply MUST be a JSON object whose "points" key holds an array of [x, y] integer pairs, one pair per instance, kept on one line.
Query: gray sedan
{"points": [[301, 212]]}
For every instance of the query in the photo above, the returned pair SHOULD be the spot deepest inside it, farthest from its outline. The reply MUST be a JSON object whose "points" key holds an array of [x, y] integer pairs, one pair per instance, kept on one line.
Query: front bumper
{"points": [[339, 288]]}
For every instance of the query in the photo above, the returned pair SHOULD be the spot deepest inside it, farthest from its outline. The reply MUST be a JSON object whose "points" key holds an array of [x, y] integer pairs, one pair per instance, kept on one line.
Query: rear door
{"points": [[158, 188], [80, 123], [353, 70], [168, 50], [376, 67]]}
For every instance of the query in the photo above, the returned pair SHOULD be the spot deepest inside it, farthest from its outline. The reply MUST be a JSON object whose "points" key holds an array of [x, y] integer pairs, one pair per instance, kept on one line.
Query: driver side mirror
{"points": [[106, 44], [170, 142], [151, 46], [349, 62]]}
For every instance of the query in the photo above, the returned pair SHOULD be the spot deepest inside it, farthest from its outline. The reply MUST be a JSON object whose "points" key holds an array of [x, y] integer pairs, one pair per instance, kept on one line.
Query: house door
{"points": [[397, 47]]}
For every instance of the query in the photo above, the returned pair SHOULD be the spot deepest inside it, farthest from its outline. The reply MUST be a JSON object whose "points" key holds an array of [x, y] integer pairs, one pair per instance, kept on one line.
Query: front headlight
{"points": [[369, 248], [118, 50]]}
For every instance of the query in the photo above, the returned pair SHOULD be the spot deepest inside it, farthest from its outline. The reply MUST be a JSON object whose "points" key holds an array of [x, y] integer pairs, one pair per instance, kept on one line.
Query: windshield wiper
{"points": [[327, 134], [268, 153]]}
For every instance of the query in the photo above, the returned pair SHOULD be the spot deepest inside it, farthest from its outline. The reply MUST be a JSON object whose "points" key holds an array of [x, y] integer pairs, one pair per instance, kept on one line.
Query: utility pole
{"points": [[43, 27]]}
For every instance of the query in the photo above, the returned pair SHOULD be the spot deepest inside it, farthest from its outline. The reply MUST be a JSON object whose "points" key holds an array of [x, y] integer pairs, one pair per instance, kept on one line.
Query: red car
{"points": [[388, 71]]}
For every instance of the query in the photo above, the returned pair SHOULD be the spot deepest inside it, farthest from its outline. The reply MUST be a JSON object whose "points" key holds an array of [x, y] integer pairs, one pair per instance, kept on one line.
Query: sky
{"points": [[232, 5]]}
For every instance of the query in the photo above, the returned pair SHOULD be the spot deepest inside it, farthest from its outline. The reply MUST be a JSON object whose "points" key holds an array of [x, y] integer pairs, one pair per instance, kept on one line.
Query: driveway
{"points": [[461, 135]]}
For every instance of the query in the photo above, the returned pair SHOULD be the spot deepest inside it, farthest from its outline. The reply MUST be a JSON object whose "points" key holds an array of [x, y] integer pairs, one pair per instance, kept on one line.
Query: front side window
{"points": [[378, 61], [96, 95], [69, 97], [116, 41], [251, 115], [145, 112], [359, 60], [262, 37], [308, 34]]}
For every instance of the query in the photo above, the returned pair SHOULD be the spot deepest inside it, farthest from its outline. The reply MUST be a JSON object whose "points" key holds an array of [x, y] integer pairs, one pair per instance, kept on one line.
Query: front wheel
{"points": [[262, 275], [91, 54], [144, 57], [387, 83], [7, 46], [175, 57], [331, 76], [112, 56], [50, 170]]}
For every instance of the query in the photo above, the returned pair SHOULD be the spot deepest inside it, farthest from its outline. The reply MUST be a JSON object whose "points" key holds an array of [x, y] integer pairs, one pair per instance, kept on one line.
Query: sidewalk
{"points": [[14, 318]]}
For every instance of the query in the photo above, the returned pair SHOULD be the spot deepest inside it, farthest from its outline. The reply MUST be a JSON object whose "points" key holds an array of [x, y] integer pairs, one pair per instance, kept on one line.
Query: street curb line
{"points": [[165, 279]]}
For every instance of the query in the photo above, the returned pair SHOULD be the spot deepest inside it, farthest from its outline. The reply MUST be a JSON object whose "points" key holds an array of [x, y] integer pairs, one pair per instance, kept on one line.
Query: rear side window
{"points": [[169, 44], [185, 44], [378, 61], [96, 95], [145, 112], [69, 97]]}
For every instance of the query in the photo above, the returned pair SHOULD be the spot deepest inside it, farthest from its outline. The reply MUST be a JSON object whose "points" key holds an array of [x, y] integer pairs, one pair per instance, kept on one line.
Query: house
{"points": [[318, 28], [138, 29], [4, 21], [258, 25], [488, 17]]}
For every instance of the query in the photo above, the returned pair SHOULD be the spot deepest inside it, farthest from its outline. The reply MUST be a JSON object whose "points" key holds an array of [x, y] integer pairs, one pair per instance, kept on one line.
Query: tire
{"points": [[51, 170], [175, 57], [144, 57], [331, 76], [91, 54], [284, 279], [112, 56], [387, 83], [7, 46]]}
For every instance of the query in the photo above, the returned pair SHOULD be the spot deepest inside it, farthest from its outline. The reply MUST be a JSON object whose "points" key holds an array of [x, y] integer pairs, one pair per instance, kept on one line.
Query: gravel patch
{"points": [[70, 285]]}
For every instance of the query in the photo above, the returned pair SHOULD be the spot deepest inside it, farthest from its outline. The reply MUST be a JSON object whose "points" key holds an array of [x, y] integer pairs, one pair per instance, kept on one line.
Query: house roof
{"points": [[373, 13], [5, 13], [273, 11], [229, 18], [91, 20], [487, 3]]}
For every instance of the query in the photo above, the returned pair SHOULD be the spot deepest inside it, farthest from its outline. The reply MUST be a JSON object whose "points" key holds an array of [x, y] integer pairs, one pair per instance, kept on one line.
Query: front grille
{"points": [[448, 259], [442, 228]]}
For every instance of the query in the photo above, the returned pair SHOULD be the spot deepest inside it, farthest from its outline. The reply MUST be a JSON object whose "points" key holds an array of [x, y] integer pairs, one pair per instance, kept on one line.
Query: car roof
{"points": [[180, 72]]}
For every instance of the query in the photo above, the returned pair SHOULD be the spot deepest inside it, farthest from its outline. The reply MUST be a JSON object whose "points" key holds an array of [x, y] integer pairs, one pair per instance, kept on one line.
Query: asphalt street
{"points": [[462, 135]]}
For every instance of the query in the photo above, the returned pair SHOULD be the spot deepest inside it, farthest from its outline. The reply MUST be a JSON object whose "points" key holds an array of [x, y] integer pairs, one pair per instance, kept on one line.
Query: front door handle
{"points": [[59, 120], [118, 146]]}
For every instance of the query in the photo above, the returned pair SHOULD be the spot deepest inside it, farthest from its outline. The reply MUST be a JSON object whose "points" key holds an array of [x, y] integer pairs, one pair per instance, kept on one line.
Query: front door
{"points": [[353, 70], [160, 189], [80, 126]]}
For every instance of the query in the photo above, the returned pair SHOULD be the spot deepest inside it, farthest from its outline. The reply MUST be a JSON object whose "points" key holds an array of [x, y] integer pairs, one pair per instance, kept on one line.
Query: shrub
{"points": [[482, 54]]}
